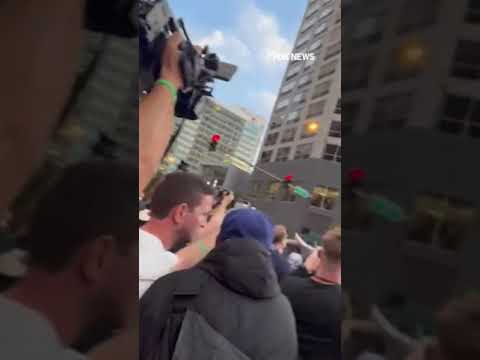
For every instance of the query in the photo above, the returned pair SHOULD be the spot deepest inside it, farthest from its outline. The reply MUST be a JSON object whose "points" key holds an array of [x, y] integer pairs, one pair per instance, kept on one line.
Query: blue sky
{"points": [[244, 32]]}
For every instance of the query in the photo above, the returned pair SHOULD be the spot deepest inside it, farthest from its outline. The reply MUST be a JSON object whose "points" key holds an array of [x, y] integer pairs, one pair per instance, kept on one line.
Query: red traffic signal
{"points": [[288, 178], [214, 142], [356, 175]]}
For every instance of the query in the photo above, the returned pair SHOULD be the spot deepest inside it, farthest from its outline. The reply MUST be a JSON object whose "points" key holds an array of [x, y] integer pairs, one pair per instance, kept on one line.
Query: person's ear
{"points": [[97, 259], [179, 213]]}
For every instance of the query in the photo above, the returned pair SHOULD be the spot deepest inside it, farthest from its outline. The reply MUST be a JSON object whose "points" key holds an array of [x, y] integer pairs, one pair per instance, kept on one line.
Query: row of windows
{"points": [[315, 109], [466, 64], [322, 196], [459, 114], [289, 134], [331, 152], [325, 70]]}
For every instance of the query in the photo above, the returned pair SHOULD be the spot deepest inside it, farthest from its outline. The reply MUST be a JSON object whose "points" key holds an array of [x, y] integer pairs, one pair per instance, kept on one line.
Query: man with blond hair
{"points": [[317, 301]]}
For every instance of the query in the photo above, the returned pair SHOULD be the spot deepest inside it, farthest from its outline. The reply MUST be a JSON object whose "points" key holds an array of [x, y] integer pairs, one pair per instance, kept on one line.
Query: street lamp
{"points": [[312, 127], [412, 54]]}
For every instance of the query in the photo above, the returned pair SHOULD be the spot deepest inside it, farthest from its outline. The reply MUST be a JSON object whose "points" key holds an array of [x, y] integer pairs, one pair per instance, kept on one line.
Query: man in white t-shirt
{"points": [[180, 214], [82, 266]]}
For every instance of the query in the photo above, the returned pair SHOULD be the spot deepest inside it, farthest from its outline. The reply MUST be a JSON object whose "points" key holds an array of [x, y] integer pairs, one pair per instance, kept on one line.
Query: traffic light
{"points": [[214, 142], [288, 179]]}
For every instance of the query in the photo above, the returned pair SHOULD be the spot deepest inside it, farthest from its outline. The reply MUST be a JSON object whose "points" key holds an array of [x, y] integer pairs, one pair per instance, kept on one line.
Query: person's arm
{"points": [[156, 115], [303, 244], [36, 81], [198, 249]]}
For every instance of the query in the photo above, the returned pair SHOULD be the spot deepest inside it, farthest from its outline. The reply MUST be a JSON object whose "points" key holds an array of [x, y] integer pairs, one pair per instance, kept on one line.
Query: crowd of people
{"points": [[236, 282], [213, 283]]}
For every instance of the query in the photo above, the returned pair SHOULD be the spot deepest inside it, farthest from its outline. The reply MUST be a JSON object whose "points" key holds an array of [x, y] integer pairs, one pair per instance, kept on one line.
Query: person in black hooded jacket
{"points": [[238, 296]]}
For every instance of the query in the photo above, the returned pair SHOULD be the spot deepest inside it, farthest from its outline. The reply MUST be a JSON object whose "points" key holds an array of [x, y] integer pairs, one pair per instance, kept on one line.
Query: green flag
{"points": [[386, 208], [301, 192]]}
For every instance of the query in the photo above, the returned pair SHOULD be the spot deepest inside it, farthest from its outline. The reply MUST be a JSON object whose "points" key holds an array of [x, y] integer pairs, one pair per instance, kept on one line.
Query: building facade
{"points": [[304, 135], [411, 110], [240, 136]]}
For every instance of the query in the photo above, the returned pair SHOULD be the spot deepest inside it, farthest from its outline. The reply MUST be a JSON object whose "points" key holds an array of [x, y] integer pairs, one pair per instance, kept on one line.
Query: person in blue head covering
{"points": [[253, 224]]}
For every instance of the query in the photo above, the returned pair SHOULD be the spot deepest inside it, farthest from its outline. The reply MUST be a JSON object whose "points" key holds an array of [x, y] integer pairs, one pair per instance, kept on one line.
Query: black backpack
{"points": [[187, 335]]}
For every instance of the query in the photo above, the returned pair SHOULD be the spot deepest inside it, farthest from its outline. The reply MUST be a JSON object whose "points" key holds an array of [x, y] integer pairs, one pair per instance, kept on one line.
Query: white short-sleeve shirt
{"points": [[154, 261], [26, 334]]}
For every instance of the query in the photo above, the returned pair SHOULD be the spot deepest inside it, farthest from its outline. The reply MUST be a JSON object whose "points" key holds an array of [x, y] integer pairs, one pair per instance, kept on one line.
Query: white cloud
{"points": [[261, 31], [228, 47]]}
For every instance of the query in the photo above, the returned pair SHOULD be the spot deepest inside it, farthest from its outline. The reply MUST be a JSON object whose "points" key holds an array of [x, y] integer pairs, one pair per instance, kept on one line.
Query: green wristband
{"points": [[204, 249], [170, 87]]}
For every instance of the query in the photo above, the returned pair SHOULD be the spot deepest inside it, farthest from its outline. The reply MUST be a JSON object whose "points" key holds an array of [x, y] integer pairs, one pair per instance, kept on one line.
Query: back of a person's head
{"points": [[91, 200], [459, 328], [332, 244], [247, 224], [279, 234], [175, 189]]}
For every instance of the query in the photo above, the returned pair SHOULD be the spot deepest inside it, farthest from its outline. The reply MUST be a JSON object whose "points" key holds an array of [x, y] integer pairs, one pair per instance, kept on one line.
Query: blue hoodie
{"points": [[253, 224]]}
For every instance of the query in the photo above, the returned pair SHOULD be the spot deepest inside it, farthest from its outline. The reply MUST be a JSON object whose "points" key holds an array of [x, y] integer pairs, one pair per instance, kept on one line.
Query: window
{"points": [[303, 40], [288, 135], [308, 65], [473, 12], [356, 74], [467, 60], [418, 14], [315, 46], [460, 113], [333, 50], [304, 80], [327, 69], [272, 139], [282, 154], [282, 104], [324, 197], [293, 117], [303, 151], [266, 156], [299, 98], [316, 108], [335, 129], [326, 12], [332, 152], [321, 29], [313, 9], [322, 89], [391, 112], [338, 107], [368, 29], [308, 24], [287, 88], [441, 221], [293, 71]]}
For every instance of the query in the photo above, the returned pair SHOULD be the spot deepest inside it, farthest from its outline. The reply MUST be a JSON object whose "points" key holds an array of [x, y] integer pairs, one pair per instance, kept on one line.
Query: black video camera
{"points": [[199, 68]]}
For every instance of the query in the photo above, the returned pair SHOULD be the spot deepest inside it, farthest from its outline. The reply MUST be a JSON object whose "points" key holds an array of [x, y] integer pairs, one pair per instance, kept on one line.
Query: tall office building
{"points": [[240, 132], [411, 110], [304, 136]]}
